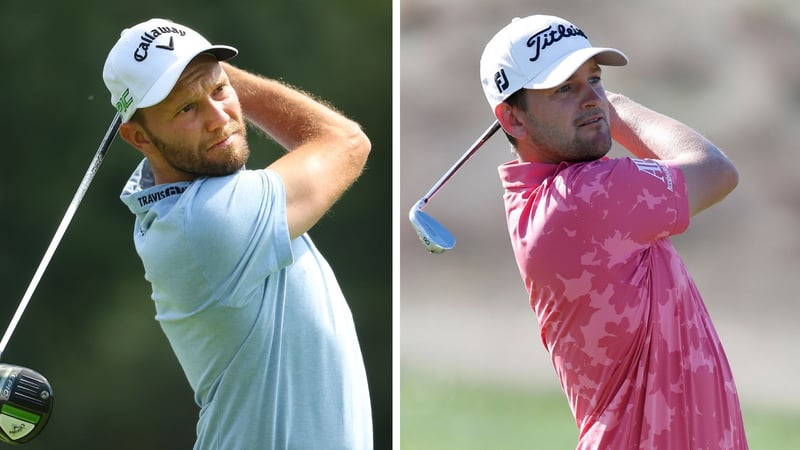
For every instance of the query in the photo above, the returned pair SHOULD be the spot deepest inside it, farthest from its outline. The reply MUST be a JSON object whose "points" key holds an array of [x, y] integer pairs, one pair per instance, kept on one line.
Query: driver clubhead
{"points": [[26, 403], [434, 236]]}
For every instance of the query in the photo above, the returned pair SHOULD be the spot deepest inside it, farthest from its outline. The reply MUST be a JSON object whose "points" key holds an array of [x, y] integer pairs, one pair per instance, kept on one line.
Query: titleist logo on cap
{"points": [[549, 36], [140, 53], [539, 42]]}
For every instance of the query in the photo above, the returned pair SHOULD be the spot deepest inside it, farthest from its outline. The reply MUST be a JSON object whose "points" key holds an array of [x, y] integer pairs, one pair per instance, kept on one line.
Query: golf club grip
{"points": [[62, 227], [464, 158]]}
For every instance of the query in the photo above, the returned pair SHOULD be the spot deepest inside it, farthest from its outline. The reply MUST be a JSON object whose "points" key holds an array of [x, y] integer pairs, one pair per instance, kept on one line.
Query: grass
{"points": [[447, 414]]}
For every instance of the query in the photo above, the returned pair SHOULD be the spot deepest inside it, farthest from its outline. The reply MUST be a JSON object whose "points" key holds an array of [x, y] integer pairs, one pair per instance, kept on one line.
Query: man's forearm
{"points": [[289, 116], [649, 134], [709, 174], [327, 151]]}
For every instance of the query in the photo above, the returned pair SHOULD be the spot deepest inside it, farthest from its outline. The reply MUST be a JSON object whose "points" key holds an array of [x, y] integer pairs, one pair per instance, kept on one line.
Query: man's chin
{"points": [[233, 164], [224, 171], [587, 158], [584, 151]]}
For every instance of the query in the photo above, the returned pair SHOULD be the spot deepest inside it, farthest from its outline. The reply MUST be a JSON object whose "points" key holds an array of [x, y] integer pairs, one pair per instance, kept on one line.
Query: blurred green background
{"points": [[90, 326]]}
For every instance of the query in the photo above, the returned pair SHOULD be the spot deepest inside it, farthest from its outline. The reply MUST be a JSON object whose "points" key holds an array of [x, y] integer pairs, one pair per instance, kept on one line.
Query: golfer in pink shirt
{"points": [[630, 338]]}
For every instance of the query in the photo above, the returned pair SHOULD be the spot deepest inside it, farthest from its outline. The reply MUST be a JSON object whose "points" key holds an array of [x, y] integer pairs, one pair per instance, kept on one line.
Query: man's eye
{"points": [[564, 88], [221, 90]]}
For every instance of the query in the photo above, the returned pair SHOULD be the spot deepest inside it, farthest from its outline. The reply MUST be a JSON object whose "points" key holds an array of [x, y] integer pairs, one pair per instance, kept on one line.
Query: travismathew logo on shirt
{"points": [[140, 54], [153, 197]]}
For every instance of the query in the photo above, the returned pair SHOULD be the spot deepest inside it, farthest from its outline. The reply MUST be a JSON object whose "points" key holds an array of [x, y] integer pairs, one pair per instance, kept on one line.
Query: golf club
{"points": [[26, 397], [434, 236]]}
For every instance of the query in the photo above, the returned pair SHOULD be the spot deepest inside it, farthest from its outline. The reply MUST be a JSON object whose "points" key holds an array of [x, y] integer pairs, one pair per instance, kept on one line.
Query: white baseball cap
{"points": [[147, 60], [537, 52]]}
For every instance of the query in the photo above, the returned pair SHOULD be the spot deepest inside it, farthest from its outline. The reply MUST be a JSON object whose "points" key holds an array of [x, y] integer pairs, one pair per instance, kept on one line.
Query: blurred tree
{"points": [[90, 326]]}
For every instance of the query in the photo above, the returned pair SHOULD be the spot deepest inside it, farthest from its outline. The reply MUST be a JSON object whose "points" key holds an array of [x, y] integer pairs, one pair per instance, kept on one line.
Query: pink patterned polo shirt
{"points": [[627, 331]]}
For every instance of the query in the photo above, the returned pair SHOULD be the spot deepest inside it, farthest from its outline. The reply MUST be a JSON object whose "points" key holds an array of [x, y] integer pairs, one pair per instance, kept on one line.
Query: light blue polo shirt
{"points": [[257, 321]]}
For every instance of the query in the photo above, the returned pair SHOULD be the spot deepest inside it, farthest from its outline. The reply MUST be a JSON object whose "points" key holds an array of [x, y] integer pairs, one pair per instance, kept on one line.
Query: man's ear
{"points": [[135, 135], [508, 117]]}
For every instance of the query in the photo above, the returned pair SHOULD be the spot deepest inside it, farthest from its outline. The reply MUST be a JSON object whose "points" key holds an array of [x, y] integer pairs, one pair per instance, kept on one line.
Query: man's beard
{"points": [[193, 161], [570, 148]]}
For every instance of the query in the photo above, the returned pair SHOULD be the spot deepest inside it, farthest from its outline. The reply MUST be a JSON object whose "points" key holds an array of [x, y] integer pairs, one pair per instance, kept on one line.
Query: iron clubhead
{"points": [[434, 236]]}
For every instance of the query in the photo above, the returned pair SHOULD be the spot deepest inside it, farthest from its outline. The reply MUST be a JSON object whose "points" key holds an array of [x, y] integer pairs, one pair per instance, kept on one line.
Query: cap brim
{"points": [[163, 86], [562, 69]]}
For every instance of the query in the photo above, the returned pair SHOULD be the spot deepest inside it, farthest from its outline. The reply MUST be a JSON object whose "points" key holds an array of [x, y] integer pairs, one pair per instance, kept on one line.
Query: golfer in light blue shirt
{"points": [[251, 308]]}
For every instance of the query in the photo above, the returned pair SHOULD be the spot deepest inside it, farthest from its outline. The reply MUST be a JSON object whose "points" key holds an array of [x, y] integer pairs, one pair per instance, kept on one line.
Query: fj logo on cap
{"points": [[501, 80], [140, 54], [549, 36]]}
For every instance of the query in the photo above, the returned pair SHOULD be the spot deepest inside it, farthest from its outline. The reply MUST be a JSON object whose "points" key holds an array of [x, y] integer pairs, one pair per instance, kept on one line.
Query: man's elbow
{"points": [[710, 181], [729, 176], [359, 146]]}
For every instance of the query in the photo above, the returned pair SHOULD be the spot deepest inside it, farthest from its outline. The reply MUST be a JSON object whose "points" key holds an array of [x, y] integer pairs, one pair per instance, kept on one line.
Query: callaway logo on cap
{"points": [[147, 60], [537, 52]]}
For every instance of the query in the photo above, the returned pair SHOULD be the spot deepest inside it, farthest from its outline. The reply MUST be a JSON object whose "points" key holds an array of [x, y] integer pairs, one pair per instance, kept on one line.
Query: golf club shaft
{"points": [[62, 228], [466, 156]]}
